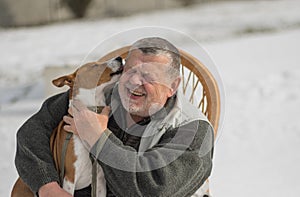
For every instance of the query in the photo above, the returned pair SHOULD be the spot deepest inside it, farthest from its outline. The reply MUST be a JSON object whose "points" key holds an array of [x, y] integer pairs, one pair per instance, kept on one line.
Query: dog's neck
{"points": [[95, 96]]}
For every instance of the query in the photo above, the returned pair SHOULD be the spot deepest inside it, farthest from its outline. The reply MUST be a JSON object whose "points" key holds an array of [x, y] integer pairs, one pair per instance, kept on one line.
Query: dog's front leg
{"points": [[69, 186]]}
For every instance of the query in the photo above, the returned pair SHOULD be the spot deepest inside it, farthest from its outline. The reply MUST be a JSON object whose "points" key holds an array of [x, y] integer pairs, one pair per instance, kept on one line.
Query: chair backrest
{"points": [[198, 84]]}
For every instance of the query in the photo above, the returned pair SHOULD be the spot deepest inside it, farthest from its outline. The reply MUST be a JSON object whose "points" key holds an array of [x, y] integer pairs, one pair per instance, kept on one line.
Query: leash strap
{"points": [[94, 177], [63, 156]]}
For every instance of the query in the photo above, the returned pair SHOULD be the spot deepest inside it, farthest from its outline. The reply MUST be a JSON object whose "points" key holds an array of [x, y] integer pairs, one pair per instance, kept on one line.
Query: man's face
{"points": [[145, 84]]}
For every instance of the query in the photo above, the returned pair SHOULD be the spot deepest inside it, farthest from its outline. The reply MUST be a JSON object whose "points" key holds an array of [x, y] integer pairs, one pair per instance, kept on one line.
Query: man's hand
{"points": [[85, 123], [52, 189]]}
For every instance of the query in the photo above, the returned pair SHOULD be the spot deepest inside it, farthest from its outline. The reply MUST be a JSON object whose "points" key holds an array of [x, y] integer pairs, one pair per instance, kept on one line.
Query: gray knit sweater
{"points": [[180, 176]]}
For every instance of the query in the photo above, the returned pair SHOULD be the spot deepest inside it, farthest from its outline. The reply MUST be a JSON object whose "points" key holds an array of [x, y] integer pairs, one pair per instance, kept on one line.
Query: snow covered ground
{"points": [[256, 154], [255, 46]]}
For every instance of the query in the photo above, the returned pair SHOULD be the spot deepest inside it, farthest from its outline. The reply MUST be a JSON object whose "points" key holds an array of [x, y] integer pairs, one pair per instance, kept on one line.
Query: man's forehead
{"points": [[137, 56]]}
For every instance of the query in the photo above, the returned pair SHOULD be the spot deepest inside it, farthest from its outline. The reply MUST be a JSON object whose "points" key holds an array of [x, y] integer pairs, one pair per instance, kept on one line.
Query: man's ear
{"points": [[174, 86]]}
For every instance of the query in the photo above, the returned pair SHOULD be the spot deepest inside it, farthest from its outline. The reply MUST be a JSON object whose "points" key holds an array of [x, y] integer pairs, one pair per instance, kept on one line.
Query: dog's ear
{"points": [[64, 80]]}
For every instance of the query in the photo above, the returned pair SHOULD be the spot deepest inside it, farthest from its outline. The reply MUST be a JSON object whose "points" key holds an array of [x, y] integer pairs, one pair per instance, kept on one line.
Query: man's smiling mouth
{"points": [[136, 93]]}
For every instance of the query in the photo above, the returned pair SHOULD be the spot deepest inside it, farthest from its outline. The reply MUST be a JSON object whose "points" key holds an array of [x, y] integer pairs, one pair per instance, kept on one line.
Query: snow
{"points": [[256, 152], [255, 45]]}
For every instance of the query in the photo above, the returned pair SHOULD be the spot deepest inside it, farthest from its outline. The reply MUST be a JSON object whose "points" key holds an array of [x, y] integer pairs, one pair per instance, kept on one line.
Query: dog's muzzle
{"points": [[119, 71]]}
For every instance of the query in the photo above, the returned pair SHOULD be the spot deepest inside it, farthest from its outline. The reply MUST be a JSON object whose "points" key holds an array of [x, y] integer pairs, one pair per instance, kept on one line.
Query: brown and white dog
{"points": [[88, 82]]}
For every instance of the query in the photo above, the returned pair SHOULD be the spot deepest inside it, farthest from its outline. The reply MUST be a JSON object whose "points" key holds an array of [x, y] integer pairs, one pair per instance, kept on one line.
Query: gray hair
{"points": [[159, 46]]}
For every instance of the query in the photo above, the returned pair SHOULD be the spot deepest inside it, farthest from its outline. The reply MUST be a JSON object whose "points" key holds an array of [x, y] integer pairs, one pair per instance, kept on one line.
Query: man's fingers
{"points": [[70, 125], [70, 129], [67, 119]]}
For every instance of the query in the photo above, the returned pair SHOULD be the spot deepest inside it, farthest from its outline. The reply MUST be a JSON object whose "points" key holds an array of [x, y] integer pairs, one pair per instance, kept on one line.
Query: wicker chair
{"points": [[198, 85]]}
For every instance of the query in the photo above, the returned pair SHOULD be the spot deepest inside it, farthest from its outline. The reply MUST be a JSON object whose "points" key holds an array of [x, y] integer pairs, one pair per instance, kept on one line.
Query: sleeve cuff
{"points": [[44, 178], [98, 146]]}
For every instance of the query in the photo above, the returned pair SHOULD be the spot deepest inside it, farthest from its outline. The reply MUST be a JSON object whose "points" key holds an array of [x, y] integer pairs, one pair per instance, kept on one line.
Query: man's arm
{"points": [[33, 159], [184, 154]]}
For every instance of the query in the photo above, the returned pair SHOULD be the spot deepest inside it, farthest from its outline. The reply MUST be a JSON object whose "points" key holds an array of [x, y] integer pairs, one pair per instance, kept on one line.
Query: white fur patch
{"points": [[83, 166], [87, 96], [69, 187], [94, 96], [83, 170]]}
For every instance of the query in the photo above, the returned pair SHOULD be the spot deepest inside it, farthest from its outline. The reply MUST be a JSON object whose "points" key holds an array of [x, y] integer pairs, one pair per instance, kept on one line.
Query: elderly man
{"points": [[149, 142]]}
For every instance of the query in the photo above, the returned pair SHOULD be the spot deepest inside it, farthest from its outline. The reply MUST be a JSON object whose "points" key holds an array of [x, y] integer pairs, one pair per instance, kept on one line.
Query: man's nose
{"points": [[136, 79]]}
